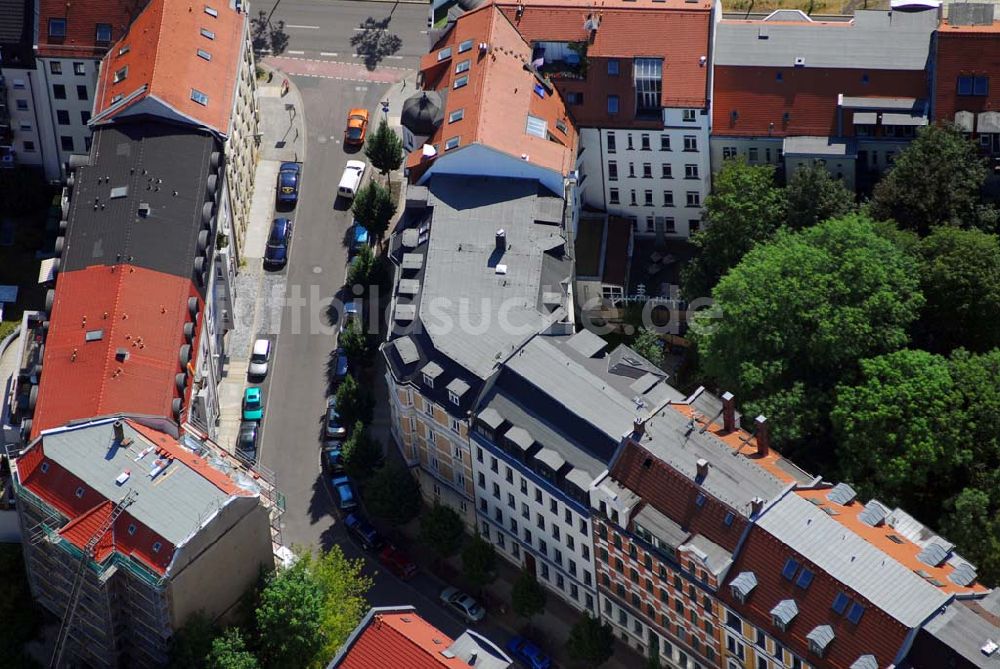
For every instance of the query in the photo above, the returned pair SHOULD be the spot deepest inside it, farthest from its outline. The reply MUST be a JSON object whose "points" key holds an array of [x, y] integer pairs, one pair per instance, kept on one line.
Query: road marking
{"points": [[297, 53], [360, 30], [395, 57], [340, 62], [327, 53], [289, 25]]}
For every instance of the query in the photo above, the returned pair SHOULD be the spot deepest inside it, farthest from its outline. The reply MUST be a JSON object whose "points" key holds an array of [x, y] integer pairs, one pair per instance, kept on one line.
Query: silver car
{"points": [[463, 604], [259, 358]]}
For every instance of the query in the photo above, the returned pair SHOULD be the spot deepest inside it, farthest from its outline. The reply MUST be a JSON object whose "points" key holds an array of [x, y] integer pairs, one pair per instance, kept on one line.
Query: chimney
{"points": [[702, 470], [756, 505], [119, 428], [501, 240], [763, 436], [473, 657], [638, 427], [728, 412]]}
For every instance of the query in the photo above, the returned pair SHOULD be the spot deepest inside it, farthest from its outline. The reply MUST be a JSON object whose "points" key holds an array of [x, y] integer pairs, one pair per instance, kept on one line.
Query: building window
{"points": [[444, 53], [204, 55], [484, 506], [542, 547], [57, 28], [584, 552], [729, 153], [527, 536], [479, 454], [694, 225], [631, 170], [120, 74], [668, 198], [81, 92], [644, 142], [973, 85], [208, 34], [524, 511], [103, 33], [199, 97], [690, 115], [632, 200], [733, 622], [612, 104], [496, 489], [753, 155], [456, 115], [538, 496], [463, 66], [612, 170], [583, 527], [494, 465], [690, 171], [647, 170], [554, 507], [613, 197], [611, 142], [690, 143], [648, 198], [524, 486], [22, 105], [648, 78], [62, 117], [465, 46], [157, 546], [55, 66], [693, 198], [574, 98], [66, 142], [613, 67], [456, 427], [59, 91], [452, 143], [649, 224], [540, 521], [461, 81], [508, 474], [666, 171]]}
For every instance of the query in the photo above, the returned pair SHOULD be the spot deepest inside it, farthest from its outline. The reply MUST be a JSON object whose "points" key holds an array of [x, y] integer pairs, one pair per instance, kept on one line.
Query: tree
{"points": [[814, 196], [290, 618], [441, 529], [649, 345], [971, 521], [229, 651], [744, 209], [960, 277], [354, 341], [193, 641], [384, 149], [590, 641], [393, 495], [479, 562], [354, 403], [937, 179], [373, 208], [361, 453], [343, 586], [362, 270], [527, 597], [799, 312]]}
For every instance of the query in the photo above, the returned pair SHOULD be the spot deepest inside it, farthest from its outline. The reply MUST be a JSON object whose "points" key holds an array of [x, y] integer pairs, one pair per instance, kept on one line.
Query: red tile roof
{"points": [[676, 31], [499, 96], [137, 311], [752, 101], [82, 17], [966, 50], [161, 52], [403, 640]]}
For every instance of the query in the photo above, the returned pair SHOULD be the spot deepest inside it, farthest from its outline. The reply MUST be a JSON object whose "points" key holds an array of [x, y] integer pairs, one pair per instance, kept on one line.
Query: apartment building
{"points": [[790, 91], [196, 69], [133, 321], [18, 127], [545, 430], [130, 526], [636, 76], [966, 54], [481, 265], [398, 636]]}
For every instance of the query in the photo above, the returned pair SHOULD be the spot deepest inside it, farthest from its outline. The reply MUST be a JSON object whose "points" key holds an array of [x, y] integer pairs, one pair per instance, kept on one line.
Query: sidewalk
{"points": [[283, 133]]}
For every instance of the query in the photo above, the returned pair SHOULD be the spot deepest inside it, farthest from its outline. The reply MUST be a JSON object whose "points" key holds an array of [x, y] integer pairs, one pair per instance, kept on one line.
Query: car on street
{"points": [[528, 653], [398, 562], [288, 183], [350, 314], [342, 367], [333, 427], [463, 604], [278, 241], [259, 357], [253, 404], [246, 442], [362, 530], [344, 492], [350, 180], [333, 458], [357, 126], [359, 238]]}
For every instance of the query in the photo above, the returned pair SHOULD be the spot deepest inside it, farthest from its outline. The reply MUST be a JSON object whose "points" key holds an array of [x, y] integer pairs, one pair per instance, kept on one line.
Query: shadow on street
{"points": [[374, 42]]}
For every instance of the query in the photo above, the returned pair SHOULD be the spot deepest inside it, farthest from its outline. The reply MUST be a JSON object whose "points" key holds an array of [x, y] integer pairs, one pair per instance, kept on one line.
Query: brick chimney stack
{"points": [[728, 411], [763, 434]]}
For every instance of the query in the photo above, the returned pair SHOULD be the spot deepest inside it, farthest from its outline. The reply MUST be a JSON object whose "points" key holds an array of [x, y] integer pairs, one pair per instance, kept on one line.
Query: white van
{"points": [[351, 179]]}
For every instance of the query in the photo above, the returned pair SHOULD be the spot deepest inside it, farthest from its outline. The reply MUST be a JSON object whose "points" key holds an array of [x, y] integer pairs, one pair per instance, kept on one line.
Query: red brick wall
{"points": [[965, 53]]}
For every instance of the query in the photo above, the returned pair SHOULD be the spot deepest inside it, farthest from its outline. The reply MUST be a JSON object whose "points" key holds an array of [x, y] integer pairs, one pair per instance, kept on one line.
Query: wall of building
{"points": [[242, 144], [965, 53], [65, 103], [21, 95]]}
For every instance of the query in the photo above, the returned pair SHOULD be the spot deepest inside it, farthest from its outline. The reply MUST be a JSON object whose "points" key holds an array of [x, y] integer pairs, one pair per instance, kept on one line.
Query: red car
{"points": [[397, 562]]}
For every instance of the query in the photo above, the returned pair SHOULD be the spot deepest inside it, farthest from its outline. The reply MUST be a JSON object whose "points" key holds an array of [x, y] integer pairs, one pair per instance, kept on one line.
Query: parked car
{"points": [[367, 536], [357, 126], [359, 238], [398, 562], [350, 314], [333, 458], [259, 358], [288, 183], [253, 404], [342, 368], [246, 442], [528, 653], [350, 180], [276, 251], [463, 604], [332, 426], [344, 492]]}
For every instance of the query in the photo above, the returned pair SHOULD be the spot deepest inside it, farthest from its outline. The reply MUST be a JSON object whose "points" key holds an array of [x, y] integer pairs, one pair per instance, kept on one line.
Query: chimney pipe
{"points": [[638, 427], [702, 470], [728, 412], [501, 240], [756, 505], [763, 436], [119, 428]]}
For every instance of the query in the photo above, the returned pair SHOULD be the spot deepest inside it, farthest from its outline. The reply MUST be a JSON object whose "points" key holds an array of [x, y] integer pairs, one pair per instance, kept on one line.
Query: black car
{"points": [[276, 252], [246, 443], [367, 536]]}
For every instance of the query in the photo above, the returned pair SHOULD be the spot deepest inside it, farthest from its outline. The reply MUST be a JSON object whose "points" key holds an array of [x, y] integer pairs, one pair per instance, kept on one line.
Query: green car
{"points": [[253, 404]]}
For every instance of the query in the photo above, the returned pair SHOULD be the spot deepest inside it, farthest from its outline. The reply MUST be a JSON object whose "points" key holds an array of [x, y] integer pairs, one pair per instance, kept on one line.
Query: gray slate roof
{"points": [[960, 628], [851, 560], [875, 40], [744, 583]]}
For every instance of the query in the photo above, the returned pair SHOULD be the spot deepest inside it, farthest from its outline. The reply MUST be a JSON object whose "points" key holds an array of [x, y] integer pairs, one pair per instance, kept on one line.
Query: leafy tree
{"points": [[527, 597], [479, 562], [362, 270], [744, 209], [936, 179], [361, 453], [384, 149], [649, 345], [373, 208], [814, 196], [393, 495], [354, 341], [229, 651], [972, 522], [354, 403], [441, 529], [290, 618], [193, 641], [590, 641], [343, 586], [960, 277], [799, 312]]}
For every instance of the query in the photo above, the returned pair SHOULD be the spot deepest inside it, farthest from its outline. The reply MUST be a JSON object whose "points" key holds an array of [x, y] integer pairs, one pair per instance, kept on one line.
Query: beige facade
{"points": [[242, 144]]}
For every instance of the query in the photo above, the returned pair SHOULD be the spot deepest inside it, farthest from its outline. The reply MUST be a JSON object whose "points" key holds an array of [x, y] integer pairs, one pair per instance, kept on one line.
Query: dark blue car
{"points": [[288, 183], [276, 251], [528, 653]]}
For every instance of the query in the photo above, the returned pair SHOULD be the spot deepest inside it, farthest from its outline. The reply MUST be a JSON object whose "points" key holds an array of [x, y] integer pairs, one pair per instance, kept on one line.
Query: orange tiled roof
{"points": [[988, 28], [161, 53], [82, 18], [400, 640], [499, 96], [137, 311]]}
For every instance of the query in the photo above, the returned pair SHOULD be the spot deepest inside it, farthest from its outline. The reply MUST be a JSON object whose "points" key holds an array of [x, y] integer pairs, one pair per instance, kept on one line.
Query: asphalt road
{"points": [[324, 28]]}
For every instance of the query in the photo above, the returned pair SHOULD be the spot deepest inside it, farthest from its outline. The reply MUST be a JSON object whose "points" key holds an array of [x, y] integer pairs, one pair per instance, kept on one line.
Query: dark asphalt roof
{"points": [[165, 167]]}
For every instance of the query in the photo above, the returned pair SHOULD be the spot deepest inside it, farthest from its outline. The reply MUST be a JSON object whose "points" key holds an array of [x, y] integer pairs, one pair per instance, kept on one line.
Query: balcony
{"points": [[560, 60]]}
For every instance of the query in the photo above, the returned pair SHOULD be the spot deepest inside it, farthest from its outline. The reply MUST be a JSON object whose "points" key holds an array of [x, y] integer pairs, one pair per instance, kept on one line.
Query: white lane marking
{"points": [[328, 53], [296, 53], [289, 25]]}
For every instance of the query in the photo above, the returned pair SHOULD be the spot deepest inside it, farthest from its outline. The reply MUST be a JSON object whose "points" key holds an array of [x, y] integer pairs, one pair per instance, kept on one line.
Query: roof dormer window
{"points": [[121, 74], [199, 97], [79, 492], [212, 11], [444, 54], [57, 28], [103, 33], [205, 32]]}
